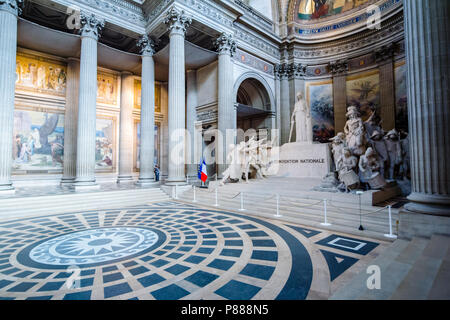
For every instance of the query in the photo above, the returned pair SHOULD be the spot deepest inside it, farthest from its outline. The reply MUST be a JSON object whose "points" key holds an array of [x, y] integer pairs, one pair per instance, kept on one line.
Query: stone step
{"points": [[31, 206]]}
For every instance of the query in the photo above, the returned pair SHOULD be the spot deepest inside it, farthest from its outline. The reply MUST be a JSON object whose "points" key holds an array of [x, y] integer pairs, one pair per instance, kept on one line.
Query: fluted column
{"points": [[147, 147], [226, 47], [70, 121], [339, 71], [9, 10], [385, 58], [126, 128], [191, 118], [90, 28], [285, 112], [427, 29], [177, 23]]}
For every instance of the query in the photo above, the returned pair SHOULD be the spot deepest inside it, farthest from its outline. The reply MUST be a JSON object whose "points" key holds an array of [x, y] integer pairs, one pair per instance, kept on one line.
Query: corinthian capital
{"points": [[281, 71], [296, 70], [177, 21], [13, 6], [338, 67], [225, 44], [91, 26], [146, 45]]}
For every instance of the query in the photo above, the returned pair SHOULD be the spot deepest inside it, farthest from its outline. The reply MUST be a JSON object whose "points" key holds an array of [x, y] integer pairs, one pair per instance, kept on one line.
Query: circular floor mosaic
{"points": [[165, 251]]}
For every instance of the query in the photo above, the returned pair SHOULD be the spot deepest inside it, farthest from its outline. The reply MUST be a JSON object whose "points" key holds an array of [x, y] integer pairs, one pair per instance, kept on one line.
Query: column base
{"points": [[418, 225], [121, 179], [176, 182], [7, 189], [85, 185], [147, 182], [67, 182], [428, 204]]}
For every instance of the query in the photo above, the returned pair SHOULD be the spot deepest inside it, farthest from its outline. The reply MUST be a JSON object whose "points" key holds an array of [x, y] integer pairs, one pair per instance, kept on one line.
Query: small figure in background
{"points": [[405, 166], [379, 145], [156, 171], [394, 149]]}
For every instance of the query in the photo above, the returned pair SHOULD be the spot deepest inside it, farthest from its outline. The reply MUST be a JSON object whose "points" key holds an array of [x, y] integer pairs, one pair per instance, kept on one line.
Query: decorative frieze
{"points": [[254, 62]]}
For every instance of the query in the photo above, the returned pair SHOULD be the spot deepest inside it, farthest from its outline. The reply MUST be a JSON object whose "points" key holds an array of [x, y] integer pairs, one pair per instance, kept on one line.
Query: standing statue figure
{"points": [[379, 145], [369, 170], [337, 146], [373, 124], [301, 118], [405, 167], [355, 132], [394, 149]]}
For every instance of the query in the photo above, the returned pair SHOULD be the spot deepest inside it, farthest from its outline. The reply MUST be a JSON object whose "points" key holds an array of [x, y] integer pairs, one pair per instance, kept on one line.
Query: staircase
{"points": [[18, 207], [418, 269], [343, 216]]}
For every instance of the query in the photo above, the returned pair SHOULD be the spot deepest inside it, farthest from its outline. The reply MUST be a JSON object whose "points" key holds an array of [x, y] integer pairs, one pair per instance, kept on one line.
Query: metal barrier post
{"points": [[390, 235], [242, 202], [217, 200], [278, 206], [325, 223], [195, 195]]}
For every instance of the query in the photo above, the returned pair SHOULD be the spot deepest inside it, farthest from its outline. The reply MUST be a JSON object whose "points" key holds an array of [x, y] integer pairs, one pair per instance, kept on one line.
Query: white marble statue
{"points": [[355, 132], [345, 166], [338, 144], [301, 119], [379, 145]]}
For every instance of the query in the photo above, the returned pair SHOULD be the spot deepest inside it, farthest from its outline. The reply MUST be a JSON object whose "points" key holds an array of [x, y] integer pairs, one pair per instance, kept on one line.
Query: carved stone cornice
{"points": [[385, 53], [337, 68], [296, 70], [177, 21], [12, 6], [91, 26], [146, 45], [225, 44]]}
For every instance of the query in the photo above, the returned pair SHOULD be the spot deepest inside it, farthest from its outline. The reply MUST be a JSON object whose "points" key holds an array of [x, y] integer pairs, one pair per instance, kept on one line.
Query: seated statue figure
{"points": [[337, 146], [346, 165], [355, 132]]}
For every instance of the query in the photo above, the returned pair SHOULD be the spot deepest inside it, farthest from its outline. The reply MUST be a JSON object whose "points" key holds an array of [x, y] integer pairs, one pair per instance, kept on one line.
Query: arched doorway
{"points": [[254, 106]]}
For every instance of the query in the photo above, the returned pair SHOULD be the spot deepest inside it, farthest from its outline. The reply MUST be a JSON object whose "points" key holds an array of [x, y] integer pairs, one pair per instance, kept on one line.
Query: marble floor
{"points": [[171, 250]]}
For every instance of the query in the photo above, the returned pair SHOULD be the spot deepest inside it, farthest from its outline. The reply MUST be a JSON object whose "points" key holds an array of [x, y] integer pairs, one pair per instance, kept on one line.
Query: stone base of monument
{"points": [[300, 160]]}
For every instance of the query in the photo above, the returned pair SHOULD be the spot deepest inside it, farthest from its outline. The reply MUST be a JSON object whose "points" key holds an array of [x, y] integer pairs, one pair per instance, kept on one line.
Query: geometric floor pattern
{"points": [[165, 251]]}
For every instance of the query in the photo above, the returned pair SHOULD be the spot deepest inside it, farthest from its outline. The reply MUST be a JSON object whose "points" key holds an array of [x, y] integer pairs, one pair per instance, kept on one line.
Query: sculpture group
{"points": [[364, 155], [248, 159]]}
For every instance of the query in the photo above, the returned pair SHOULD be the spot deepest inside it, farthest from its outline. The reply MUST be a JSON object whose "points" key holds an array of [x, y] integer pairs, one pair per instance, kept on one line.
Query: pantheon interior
{"points": [[224, 149]]}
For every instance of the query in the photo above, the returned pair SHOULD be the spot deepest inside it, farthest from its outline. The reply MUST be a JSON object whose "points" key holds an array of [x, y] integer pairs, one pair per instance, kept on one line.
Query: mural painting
{"points": [[315, 9], [104, 144], [137, 96], [401, 106], [106, 88], [41, 75], [320, 100], [363, 91], [38, 143]]}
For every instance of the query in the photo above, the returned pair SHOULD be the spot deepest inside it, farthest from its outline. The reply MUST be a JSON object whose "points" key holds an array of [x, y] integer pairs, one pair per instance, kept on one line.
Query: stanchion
{"points": [[325, 223], [195, 196], [361, 228], [390, 235], [278, 206], [242, 202], [217, 200]]}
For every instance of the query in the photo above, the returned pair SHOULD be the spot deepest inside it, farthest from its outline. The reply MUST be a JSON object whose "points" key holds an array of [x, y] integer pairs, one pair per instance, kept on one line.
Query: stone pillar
{"points": [[339, 71], [90, 28], [277, 73], [226, 115], [191, 118], [9, 10], [126, 128], [70, 122], [428, 84], [385, 59], [147, 147], [285, 109], [177, 23]]}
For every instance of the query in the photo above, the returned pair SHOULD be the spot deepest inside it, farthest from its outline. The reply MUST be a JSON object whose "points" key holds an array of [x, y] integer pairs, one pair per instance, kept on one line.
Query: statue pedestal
{"points": [[299, 160]]}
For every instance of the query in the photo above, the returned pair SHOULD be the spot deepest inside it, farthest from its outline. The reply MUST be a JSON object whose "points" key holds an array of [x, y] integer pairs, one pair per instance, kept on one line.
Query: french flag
{"points": [[202, 174]]}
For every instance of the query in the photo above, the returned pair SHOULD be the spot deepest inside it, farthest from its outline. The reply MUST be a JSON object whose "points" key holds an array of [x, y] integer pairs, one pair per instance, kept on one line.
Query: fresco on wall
{"points": [[401, 106], [363, 91], [38, 141], [38, 74], [320, 98], [138, 145], [106, 88], [104, 144], [137, 96], [315, 9]]}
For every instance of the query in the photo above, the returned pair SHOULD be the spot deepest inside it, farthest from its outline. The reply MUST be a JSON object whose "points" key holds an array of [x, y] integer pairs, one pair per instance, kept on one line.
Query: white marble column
{"points": [[126, 128], [191, 118], [147, 144], [177, 23], [70, 121], [226, 47], [9, 10], [427, 29], [90, 28]]}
